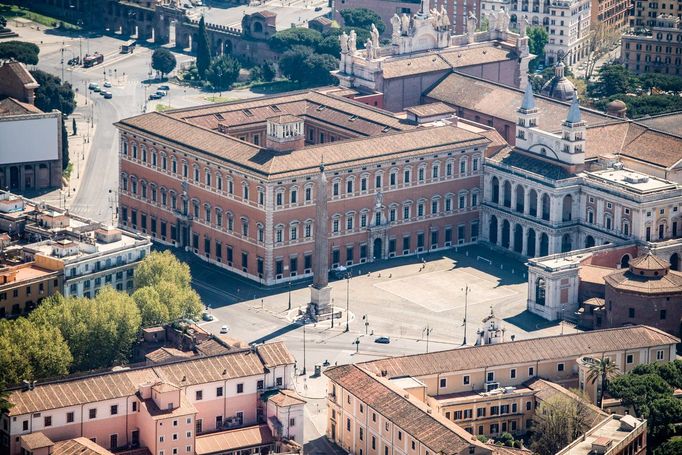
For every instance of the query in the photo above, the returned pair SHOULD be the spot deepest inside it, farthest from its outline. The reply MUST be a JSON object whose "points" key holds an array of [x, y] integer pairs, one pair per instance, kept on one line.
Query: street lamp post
{"points": [[347, 301], [466, 306], [427, 331], [365, 317], [290, 294]]}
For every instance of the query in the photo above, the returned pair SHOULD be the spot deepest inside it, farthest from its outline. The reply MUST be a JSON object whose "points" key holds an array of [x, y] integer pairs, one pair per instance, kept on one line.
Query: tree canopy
{"points": [[31, 351], [53, 94], [300, 64], [672, 446], [100, 332], [223, 72], [537, 40], [203, 50], [163, 61], [558, 421], [613, 79], [639, 390], [20, 51], [171, 280], [284, 40], [362, 18]]}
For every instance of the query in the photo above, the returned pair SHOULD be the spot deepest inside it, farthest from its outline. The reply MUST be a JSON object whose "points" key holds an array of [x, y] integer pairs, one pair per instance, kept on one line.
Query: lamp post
{"points": [[290, 294], [427, 331], [348, 275], [466, 306]]}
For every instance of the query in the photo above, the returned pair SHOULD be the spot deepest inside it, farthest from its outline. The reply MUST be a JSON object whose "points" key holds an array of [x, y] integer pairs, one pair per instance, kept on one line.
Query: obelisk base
{"points": [[320, 306]]}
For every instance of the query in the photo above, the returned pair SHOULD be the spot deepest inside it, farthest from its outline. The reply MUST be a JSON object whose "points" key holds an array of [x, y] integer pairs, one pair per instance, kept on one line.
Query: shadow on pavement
{"points": [[530, 322], [322, 446], [279, 332]]}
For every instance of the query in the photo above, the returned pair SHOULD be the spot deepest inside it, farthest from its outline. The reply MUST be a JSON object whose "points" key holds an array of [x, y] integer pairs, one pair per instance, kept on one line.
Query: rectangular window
{"points": [[466, 379], [114, 410], [443, 382], [219, 391], [199, 395], [629, 358], [560, 367], [512, 373], [69, 417], [531, 371], [48, 421], [240, 388], [92, 413]]}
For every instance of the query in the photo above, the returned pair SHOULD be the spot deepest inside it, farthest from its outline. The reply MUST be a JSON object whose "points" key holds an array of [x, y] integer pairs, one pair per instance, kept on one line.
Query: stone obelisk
{"points": [[320, 293]]}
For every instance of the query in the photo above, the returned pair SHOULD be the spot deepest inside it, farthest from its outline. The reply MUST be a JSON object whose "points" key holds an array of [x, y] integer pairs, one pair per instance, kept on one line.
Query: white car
{"points": [[224, 329], [107, 84]]}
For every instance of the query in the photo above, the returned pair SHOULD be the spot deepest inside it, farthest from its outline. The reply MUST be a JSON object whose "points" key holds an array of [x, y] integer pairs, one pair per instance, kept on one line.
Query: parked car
{"points": [[93, 85], [97, 89], [161, 93], [224, 329], [165, 88], [108, 95], [107, 84], [383, 340], [206, 316], [154, 96]]}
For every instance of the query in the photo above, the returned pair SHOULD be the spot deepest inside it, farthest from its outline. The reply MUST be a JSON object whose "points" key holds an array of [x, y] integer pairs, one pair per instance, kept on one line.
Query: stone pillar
{"points": [[538, 236], [513, 198], [320, 292], [22, 178], [485, 219], [512, 236], [524, 241], [500, 223], [526, 202]]}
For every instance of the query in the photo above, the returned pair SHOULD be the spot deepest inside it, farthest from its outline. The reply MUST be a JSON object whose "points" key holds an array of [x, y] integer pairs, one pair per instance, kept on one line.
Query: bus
{"points": [[92, 60], [128, 47]]}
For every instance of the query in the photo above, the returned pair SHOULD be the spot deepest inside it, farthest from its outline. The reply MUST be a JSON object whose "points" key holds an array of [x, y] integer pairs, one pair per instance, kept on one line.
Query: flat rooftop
{"points": [[632, 180], [26, 273], [480, 395], [609, 430], [407, 382]]}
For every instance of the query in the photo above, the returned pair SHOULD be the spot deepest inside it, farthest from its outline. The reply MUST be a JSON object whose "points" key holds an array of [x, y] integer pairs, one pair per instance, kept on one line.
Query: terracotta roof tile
{"points": [[79, 446], [430, 109], [275, 354], [545, 390], [36, 440], [10, 106], [434, 431], [669, 123], [72, 391], [285, 398], [521, 351], [625, 280], [19, 71], [241, 438]]}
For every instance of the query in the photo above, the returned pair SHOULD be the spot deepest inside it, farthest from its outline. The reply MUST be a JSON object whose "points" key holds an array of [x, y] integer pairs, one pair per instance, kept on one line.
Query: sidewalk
{"points": [[79, 152]]}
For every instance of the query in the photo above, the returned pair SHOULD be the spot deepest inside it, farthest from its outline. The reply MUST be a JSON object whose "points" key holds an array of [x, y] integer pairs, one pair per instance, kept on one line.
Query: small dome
{"points": [[617, 108], [559, 88], [649, 265]]}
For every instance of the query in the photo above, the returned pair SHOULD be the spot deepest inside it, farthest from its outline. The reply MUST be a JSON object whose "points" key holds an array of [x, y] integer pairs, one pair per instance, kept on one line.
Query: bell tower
{"points": [[573, 135], [527, 118]]}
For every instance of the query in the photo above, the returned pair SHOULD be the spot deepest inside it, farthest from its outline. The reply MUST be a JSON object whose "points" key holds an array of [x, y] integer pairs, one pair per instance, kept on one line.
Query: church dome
{"points": [[616, 108], [559, 88]]}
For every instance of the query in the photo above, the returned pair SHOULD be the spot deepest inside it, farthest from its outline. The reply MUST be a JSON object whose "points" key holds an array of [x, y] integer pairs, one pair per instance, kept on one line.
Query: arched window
{"points": [[540, 291], [196, 173], [279, 233], [144, 154], [154, 158], [219, 181], [219, 217], [245, 191], [134, 151], [164, 162], [293, 195], [207, 176]]}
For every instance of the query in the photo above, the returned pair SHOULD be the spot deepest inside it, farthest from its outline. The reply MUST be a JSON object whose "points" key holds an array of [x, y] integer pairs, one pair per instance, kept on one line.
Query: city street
{"points": [[289, 12]]}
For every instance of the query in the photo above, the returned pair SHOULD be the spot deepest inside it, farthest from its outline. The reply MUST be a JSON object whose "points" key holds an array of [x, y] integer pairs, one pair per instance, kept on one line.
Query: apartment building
{"points": [[169, 409], [105, 256], [656, 48], [645, 14], [24, 285], [567, 22], [398, 403], [234, 182]]}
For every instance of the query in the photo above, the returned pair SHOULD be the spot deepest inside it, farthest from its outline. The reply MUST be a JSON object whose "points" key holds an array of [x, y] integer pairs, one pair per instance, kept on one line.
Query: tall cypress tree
{"points": [[203, 51]]}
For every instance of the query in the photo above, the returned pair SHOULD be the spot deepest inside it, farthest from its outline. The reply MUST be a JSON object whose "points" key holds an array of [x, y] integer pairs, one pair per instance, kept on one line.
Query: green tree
{"points": [[317, 69], [300, 64], [672, 446], [602, 369], [162, 267], [661, 81], [53, 94], [362, 18], [203, 50], [558, 421], [171, 279], [330, 45], [639, 391], [665, 414], [284, 40], [537, 40], [20, 51], [163, 61], [31, 351], [223, 72], [613, 79], [292, 63], [5, 405], [3, 22], [100, 332], [152, 311], [269, 71]]}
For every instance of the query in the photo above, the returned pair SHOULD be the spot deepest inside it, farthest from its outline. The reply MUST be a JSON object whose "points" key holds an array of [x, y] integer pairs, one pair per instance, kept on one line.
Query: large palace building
{"points": [[235, 183]]}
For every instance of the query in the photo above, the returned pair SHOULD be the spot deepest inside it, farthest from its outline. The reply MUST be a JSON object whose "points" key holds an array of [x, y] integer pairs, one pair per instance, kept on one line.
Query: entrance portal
{"points": [[378, 249]]}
